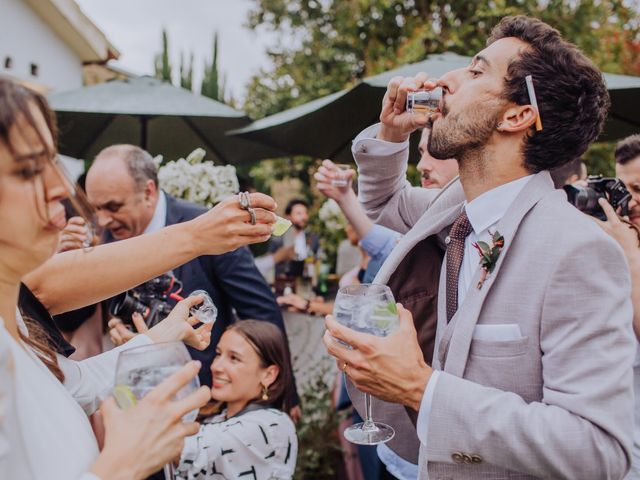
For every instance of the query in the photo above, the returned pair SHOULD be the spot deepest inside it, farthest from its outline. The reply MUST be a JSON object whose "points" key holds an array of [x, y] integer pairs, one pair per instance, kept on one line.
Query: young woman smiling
{"points": [[245, 431]]}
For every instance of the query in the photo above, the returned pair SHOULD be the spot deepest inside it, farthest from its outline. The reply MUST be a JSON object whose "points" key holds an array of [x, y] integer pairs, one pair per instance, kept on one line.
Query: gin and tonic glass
{"points": [[368, 308], [140, 369]]}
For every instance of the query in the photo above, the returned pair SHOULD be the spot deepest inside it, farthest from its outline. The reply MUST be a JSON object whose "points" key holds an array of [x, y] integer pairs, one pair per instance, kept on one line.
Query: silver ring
{"points": [[245, 200], [252, 212]]}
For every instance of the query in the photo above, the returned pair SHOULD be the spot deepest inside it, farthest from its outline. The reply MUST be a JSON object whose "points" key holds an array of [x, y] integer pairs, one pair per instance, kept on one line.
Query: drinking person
{"points": [[246, 431], [521, 364]]}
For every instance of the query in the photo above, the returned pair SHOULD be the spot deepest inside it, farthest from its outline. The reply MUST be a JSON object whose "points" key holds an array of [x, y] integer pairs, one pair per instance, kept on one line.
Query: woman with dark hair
{"points": [[44, 432], [245, 431]]}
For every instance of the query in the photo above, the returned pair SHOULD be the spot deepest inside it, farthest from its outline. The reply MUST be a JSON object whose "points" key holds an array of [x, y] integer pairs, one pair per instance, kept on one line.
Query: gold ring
{"points": [[344, 367]]}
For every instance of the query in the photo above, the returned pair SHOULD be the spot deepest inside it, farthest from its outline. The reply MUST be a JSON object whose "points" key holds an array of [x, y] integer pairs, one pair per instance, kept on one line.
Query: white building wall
{"points": [[27, 39]]}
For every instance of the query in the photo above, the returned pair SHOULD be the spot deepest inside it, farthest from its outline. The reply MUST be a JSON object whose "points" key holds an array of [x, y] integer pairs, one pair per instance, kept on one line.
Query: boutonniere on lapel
{"points": [[489, 255]]}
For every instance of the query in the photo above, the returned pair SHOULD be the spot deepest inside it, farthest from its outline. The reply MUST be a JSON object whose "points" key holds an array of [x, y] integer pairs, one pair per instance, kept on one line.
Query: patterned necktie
{"points": [[455, 252]]}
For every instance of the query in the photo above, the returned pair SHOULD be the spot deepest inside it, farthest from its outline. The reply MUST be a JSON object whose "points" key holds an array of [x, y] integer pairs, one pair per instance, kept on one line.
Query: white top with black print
{"points": [[258, 444]]}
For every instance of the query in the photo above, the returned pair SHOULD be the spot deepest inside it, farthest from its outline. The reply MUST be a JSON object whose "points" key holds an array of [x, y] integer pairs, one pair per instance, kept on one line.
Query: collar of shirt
{"points": [[489, 208], [159, 219]]}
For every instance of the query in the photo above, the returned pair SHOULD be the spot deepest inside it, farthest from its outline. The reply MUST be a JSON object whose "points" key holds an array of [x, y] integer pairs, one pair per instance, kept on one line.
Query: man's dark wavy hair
{"points": [[572, 97]]}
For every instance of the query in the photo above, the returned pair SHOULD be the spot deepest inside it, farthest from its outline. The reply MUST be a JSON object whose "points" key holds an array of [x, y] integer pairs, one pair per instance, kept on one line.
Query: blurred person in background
{"points": [[627, 156], [628, 237], [305, 243], [434, 173], [573, 172], [626, 231]]}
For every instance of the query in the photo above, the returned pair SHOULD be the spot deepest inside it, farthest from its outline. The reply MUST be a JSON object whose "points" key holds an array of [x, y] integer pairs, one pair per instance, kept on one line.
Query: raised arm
{"points": [[382, 151], [77, 278]]}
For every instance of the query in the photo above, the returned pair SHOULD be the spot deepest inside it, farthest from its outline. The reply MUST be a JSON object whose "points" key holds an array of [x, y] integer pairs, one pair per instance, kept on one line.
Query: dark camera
{"points": [[149, 299], [586, 198]]}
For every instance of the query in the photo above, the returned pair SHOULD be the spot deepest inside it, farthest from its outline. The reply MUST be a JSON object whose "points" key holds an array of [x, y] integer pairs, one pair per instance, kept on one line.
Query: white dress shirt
{"points": [[484, 213], [159, 219]]}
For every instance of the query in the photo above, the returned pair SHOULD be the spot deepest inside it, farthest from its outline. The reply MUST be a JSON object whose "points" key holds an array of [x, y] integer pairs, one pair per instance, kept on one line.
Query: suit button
{"points": [[447, 240], [466, 458], [457, 457], [475, 458]]}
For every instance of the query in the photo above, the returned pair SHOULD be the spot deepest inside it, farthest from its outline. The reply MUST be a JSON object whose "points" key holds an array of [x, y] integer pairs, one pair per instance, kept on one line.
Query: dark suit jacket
{"points": [[231, 279]]}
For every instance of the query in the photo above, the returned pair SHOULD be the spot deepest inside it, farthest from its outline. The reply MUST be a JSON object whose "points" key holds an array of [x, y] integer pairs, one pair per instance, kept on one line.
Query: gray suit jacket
{"points": [[558, 402]]}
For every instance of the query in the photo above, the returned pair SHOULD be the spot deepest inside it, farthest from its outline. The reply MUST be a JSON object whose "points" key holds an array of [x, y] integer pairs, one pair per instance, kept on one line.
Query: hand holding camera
{"points": [[177, 326]]}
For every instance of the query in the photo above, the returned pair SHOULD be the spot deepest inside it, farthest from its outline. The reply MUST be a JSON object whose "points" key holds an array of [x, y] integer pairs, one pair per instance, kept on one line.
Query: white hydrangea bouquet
{"points": [[332, 216], [197, 180]]}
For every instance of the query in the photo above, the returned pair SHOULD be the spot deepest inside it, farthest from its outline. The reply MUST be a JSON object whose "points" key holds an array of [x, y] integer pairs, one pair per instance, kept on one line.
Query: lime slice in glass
{"points": [[124, 397], [281, 226]]}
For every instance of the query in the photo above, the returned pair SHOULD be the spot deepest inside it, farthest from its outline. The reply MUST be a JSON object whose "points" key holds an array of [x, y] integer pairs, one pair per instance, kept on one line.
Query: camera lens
{"points": [[125, 305]]}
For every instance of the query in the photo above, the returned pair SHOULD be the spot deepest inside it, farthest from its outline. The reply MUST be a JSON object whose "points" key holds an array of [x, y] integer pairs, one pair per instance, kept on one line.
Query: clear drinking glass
{"points": [[206, 311], [341, 179], [368, 308], [424, 101], [139, 370]]}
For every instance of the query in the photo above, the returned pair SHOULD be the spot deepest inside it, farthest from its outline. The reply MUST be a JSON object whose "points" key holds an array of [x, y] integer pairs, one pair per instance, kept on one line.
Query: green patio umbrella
{"points": [[325, 127], [157, 116]]}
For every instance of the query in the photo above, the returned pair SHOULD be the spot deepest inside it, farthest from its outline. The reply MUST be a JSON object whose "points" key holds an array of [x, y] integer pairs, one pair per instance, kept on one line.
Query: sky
{"points": [[134, 27]]}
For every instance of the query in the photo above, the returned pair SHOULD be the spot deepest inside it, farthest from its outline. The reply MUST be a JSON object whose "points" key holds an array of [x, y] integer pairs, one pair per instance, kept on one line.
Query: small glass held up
{"points": [[205, 312], [341, 178], [424, 101]]}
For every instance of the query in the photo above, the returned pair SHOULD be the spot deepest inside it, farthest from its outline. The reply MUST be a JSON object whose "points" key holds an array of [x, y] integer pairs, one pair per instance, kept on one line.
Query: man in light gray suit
{"points": [[531, 354]]}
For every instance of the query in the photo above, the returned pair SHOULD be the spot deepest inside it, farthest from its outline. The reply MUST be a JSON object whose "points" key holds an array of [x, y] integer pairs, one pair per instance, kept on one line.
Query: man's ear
{"points": [[517, 119], [150, 190]]}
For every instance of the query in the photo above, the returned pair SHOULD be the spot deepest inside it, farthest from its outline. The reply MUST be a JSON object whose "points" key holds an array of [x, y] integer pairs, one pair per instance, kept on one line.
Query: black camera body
{"points": [[149, 299], [586, 198]]}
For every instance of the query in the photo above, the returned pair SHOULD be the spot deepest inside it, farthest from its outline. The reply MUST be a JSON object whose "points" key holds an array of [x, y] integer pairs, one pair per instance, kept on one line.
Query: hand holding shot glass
{"points": [[424, 101], [205, 312], [341, 175]]}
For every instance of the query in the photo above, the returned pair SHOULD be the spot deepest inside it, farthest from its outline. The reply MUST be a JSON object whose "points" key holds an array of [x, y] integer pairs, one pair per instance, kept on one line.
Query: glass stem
{"points": [[168, 471], [368, 424]]}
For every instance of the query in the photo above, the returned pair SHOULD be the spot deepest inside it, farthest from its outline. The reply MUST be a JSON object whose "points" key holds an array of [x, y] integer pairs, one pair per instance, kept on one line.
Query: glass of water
{"points": [[368, 308], [139, 370]]}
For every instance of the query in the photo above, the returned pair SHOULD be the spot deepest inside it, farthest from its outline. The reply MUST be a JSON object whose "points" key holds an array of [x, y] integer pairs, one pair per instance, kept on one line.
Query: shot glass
{"points": [[341, 179], [206, 311], [424, 101]]}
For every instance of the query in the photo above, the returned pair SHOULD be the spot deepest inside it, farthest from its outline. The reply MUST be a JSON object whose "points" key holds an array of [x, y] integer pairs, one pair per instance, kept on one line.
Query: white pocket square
{"points": [[497, 332]]}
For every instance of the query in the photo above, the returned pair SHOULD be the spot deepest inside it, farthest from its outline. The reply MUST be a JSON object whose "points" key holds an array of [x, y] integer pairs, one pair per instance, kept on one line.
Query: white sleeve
{"points": [[90, 381]]}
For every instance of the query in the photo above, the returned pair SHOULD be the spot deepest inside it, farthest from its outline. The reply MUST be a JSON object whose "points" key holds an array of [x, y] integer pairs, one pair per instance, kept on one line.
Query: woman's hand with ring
{"points": [[227, 226]]}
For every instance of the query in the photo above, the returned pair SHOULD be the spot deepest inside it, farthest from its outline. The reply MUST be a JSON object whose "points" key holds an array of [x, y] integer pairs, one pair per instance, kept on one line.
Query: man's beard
{"points": [[455, 134]]}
